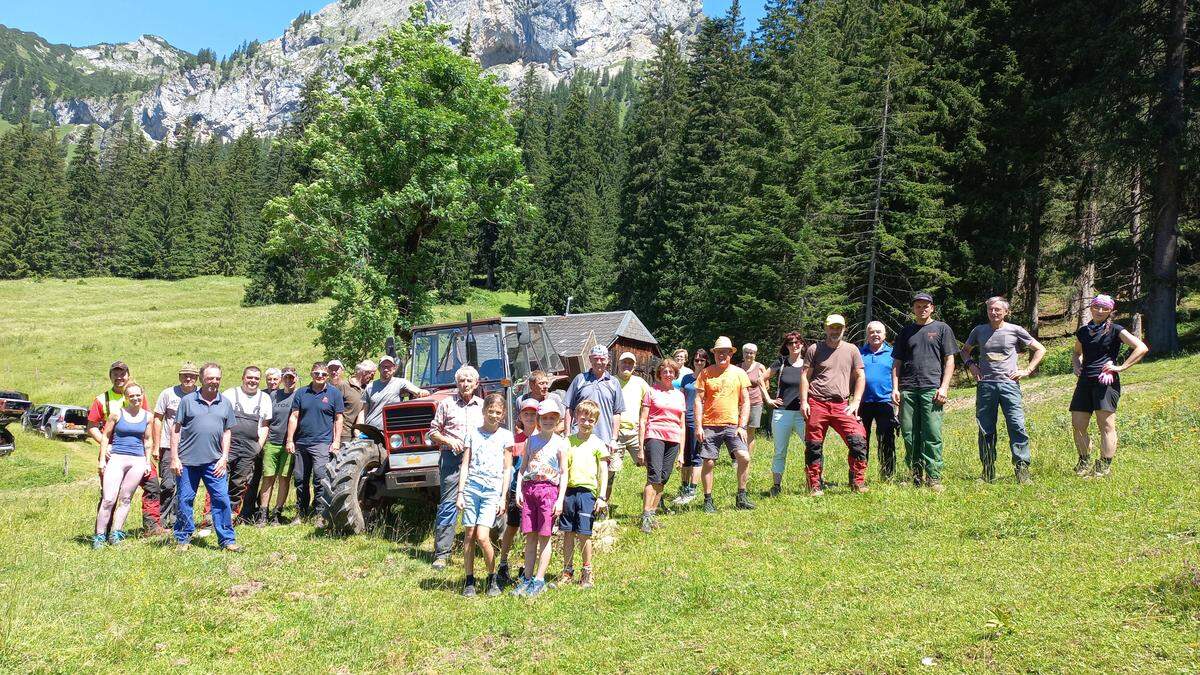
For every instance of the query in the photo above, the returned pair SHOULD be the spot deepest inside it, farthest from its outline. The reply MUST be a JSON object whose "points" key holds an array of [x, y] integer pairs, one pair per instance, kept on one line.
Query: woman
{"points": [[1097, 345], [786, 419], [125, 451], [691, 457], [758, 389], [661, 432]]}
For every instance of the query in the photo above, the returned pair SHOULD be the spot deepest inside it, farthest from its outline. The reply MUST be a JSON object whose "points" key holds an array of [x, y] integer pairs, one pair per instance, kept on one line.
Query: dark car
{"points": [[13, 406]]}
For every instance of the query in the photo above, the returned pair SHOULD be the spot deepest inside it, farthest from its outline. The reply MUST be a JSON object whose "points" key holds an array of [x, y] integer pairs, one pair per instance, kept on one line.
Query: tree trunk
{"points": [[1161, 331], [1032, 288], [1087, 218], [1135, 233], [869, 312]]}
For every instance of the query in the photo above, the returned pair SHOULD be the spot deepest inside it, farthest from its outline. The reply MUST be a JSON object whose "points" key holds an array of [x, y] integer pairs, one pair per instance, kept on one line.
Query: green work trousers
{"points": [[921, 428]]}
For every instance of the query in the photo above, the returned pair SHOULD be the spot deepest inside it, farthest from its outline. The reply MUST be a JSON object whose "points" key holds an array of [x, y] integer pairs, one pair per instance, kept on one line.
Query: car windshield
{"points": [[437, 354]]}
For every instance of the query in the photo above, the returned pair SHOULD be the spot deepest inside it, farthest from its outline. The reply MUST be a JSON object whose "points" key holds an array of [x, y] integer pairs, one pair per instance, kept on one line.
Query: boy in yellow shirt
{"points": [[587, 478]]}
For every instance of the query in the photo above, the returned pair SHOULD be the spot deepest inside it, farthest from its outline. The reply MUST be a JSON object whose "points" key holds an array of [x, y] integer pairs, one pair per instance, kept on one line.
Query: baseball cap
{"points": [[118, 365], [188, 368], [336, 363], [530, 404], [386, 358], [835, 320], [922, 296], [598, 350], [289, 370], [627, 356], [548, 407]]}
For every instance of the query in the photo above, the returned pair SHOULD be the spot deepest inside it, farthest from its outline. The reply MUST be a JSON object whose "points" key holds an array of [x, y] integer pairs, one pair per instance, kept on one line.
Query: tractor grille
{"points": [[407, 416]]}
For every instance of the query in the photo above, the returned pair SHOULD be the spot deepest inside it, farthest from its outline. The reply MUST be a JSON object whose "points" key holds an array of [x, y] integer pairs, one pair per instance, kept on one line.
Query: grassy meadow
{"points": [[1066, 575]]}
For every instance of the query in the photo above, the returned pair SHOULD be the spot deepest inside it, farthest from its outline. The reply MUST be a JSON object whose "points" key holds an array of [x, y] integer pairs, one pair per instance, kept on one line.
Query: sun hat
{"points": [[189, 368], [723, 343], [335, 362]]}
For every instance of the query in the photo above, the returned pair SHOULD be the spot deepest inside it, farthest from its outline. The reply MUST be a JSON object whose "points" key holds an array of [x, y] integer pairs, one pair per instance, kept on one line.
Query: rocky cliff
{"points": [[260, 90]]}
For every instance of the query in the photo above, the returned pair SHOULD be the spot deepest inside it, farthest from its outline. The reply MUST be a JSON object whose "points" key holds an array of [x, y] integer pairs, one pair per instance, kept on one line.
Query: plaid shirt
{"points": [[454, 417]]}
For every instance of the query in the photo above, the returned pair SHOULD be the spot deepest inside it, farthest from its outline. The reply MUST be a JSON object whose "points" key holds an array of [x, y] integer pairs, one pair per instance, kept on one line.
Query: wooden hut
{"points": [[573, 336]]}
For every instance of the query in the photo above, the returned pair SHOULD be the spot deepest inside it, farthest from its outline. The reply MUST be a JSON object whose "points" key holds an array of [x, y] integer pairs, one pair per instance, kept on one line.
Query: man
{"points": [[352, 389], [164, 417], [314, 433], [831, 387], [453, 420], [105, 406], [876, 409], [722, 412], [598, 385], [252, 410], [200, 440], [633, 389], [387, 389], [277, 461], [999, 386], [539, 388], [922, 365]]}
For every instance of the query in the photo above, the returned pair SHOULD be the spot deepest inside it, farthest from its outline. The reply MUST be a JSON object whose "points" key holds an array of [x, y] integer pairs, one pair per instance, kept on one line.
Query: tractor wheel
{"points": [[354, 488]]}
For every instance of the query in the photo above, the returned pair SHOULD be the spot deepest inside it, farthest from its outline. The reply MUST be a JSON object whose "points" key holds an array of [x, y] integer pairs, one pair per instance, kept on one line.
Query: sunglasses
{"points": [[320, 373]]}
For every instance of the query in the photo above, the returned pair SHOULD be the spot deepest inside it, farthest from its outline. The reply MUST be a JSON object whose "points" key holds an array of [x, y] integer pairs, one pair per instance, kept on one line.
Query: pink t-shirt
{"points": [[664, 408]]}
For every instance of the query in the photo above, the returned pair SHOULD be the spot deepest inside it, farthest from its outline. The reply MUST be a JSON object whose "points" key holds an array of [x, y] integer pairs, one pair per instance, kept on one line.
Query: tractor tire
{"points": [[353, 488]]}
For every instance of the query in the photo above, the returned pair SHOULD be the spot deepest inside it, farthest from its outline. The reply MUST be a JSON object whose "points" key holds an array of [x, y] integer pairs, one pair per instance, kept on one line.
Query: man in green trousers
{"points": [[923, 363]]}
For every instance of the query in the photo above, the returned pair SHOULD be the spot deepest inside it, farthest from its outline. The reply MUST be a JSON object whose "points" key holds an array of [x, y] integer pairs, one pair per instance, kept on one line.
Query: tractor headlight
{"points": [[394, 442], [429, 438]]}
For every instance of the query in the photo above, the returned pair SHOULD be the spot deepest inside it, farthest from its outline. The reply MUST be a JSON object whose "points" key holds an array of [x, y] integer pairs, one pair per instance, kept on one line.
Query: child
{"points": [[486, 462], [541, 486], [528, 427], [587, 477]]}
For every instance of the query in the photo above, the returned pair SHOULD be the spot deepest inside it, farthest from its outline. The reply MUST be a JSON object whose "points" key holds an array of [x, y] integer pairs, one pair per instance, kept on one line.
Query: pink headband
{"points": [[1103, 301]]}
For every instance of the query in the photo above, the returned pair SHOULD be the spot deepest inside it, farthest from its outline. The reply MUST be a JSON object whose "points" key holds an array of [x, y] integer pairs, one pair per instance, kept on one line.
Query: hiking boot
{"points": [[440, 563], [118, 536], [743, 501], [319, 522], [277, 518], [858, 471], [860, 488], [568, 576], [1022, 473], [502, 577], [232, 547], [155, 531], [776, 489], [469, 588], [493, 586], [1103, 468], [98, 542], [1083, 468], [260, 518], [935, 485], [812, 474], [585, 578], [709, 506], [647, 523], [182, 547]]}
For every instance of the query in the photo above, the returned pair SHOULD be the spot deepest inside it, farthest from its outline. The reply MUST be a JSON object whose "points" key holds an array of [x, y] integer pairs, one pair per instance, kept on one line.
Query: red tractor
{"points": [[369, 474]]}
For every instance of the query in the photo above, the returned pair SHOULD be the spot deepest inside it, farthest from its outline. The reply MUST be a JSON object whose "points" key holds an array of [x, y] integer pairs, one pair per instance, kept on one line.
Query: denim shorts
{"points": [[480, 505]]}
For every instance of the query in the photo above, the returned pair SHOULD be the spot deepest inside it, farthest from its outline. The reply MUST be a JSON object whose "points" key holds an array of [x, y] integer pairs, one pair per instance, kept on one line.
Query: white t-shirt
{"points": [[165, 407], [487, 457], [259, 404]]}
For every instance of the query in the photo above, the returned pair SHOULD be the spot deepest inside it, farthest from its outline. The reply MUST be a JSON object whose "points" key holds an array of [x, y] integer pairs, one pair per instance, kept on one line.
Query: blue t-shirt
{"points": [[878, 368], [129, 434], [605, 391], [201, 424], [317, 410], [687, 384]]}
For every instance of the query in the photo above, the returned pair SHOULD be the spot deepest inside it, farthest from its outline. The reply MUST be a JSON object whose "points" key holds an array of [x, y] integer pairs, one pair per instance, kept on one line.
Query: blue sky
{"points": [[218, 24]]}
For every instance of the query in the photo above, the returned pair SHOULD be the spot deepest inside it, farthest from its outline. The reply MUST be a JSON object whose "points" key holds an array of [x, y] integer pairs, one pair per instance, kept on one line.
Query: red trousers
{"points": [[821, 416]]}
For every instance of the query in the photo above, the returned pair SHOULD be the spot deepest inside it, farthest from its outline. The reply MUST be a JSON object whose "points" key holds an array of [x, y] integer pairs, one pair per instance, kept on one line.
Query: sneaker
{"points": [[743, 501], [202, 533], [1083, 468], [440, 563], [118, 536], [568, 576], [182, 547], [1103, 468], [647, 523], [859, 488], [493, 586], [98, 542], [1023, 477], [936, 486], [469, 588], [502, 577], [232, 547], [277, 518], [709, 506], [686, 496], [585, 578], [818, 491], [536, 587], [522, 588], [260, 518], [776, 489]]}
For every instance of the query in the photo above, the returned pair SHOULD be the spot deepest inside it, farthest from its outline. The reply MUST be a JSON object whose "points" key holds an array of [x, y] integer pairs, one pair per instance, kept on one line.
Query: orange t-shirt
{"points": [[720, 392]]}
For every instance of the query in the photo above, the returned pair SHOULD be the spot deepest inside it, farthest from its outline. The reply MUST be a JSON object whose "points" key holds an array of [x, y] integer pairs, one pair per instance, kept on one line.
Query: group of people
{"points": [[556, 469]]}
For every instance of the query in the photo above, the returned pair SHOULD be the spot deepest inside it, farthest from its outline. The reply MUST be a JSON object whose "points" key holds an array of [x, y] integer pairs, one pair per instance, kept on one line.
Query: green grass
{"points": [[1066, 575]]}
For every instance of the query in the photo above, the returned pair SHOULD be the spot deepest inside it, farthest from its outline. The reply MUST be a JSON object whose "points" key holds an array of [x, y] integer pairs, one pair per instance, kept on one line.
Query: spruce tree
{"points": [[82, 209]]}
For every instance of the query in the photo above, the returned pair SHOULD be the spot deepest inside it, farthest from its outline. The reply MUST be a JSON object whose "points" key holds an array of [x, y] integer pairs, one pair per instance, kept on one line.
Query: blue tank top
{"points": [[128, 434]]}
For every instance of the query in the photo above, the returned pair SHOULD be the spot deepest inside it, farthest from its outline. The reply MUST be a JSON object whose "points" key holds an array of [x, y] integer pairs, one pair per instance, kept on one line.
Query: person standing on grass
{"points": [[487, 461], [599, 386], [1097, 346], [200, 441], [528, 426], [922, 365], [104, 407], [453, 420], [389, 388], [877, 409], [998, 385], [587, 471], [164, 417], [758, 389], [276, 460], [662, 422], [722, 410], [126, 447], [633, 390], [541, 489], [786, 417], [252, 409], [689, 473], [314, 434], [831, 387]]}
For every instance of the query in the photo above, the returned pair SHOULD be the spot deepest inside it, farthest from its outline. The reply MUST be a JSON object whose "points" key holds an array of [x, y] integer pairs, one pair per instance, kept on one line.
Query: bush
{"points": [[1057, 361]]}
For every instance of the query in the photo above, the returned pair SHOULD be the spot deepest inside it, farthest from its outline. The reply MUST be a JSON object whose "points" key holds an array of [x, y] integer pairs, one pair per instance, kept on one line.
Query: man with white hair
{"points": [[453, 420], [876, 409], [999, 386]]}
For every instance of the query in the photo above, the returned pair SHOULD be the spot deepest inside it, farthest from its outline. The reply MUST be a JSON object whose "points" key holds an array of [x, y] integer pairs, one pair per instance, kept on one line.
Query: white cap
{"points": [[548, 407], [335, 362], [386, 358], [598, 350], [628, 356]]}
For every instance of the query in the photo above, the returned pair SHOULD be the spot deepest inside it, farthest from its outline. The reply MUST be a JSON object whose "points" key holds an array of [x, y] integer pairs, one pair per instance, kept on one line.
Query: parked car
{"points": [[63, 421], [13, 406], [31, 421]]}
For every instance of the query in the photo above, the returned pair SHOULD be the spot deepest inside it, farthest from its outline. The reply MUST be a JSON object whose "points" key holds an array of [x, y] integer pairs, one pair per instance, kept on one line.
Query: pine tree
{"points": [[33, 186], [82, 207]]}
